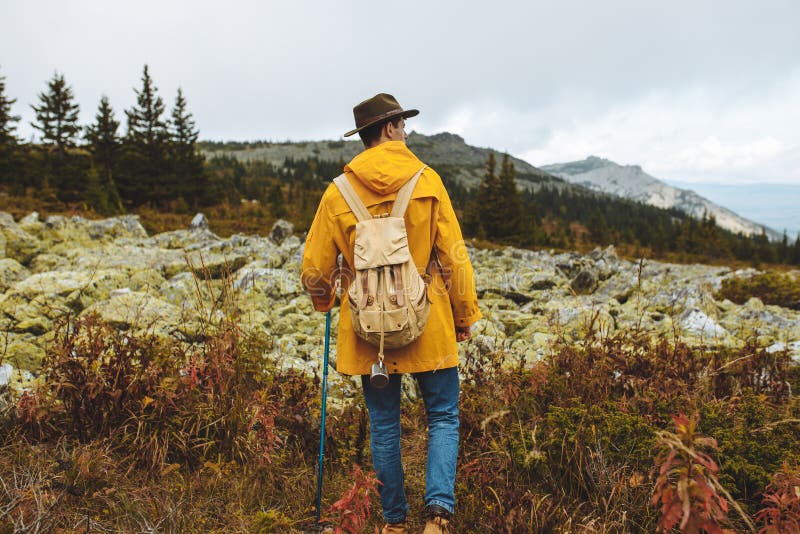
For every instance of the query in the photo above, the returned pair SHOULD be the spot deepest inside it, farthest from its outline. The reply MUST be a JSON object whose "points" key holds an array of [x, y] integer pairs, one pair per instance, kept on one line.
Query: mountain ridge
{"points": [[465, 164], [632, 182]]}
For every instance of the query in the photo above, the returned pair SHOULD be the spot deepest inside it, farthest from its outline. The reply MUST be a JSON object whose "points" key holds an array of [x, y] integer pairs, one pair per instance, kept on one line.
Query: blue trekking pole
{"points": [[324, 404]]}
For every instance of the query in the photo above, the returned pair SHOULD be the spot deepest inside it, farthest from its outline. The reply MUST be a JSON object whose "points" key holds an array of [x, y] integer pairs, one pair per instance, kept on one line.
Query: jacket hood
{"points": [[386, 167]]}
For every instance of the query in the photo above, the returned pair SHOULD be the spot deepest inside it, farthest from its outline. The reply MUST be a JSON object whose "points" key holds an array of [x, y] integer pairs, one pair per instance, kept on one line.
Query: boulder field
{"points": [[171, 284]]}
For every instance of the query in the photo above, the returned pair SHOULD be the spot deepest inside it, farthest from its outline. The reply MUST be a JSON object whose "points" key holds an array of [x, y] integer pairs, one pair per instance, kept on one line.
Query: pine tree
{"points": [[57, 115], [783, 253], [277, 204], [598, 228], [105, 147], [182, 128], [765, 252], [481, 218], [146, 128], [96, 195], [510, 222], [8, 140], [145, 166], [7, 120], [795, 254], [191, 182], [57, 120], [102, 136]]}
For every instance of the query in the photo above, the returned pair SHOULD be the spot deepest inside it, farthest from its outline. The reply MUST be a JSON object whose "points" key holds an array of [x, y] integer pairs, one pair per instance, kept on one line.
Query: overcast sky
{"points": [[705, 91]]}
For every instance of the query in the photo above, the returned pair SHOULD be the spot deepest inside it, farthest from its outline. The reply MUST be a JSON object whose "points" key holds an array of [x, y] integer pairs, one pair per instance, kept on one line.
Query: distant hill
{"points": [[630, 181], [448, 153], [288, 179], [464, 165]]}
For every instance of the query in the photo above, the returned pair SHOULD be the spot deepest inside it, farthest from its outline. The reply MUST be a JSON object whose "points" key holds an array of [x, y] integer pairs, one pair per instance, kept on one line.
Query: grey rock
{"points": [[199, 222], [139, 312], [11, 271], [585, 282], [485, 344], [186, 292], [192, 239], [276, 283], [38, 300], [513, 321], [116, 228], [126, 257], [58, 233], [23, 351], [6, 370], [96, 284], [56, 222], [792, 349], [18, 244], [48, 262], [206, 265], [576, 316], [281, 230], [292, 249], [696, 322], [30, 219], [769, 321]]}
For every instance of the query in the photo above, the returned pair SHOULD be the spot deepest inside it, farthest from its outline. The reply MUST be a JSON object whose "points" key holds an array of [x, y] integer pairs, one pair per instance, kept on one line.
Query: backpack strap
{"points": [[404, 195], [351, 197], [357, 206]]}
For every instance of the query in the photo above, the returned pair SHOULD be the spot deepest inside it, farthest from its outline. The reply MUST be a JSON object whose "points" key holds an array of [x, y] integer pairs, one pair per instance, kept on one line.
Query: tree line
{"points": [[498, 211], [154, 162], [564, 218]]}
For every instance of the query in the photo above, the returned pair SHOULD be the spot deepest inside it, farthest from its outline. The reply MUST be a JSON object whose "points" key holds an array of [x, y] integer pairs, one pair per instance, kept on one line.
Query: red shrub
{"points": [[686, 488], [781, 512], [351, 513]]}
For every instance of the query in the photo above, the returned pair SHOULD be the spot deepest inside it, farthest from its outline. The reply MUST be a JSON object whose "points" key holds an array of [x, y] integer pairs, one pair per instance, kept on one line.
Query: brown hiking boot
{"points": [[395, 528], [437, 520]]}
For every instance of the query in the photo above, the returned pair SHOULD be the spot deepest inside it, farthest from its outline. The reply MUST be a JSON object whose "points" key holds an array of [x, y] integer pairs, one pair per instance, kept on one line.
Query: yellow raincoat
{"points": [[376, 174]]}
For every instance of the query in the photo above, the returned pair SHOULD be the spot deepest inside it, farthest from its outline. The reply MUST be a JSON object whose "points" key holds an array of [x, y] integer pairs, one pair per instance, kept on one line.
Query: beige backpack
{"points": [[388, 298]]}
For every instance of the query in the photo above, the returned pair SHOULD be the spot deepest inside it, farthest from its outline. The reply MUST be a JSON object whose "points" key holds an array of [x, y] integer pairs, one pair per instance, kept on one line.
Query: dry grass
{"points": [[566, 445]]}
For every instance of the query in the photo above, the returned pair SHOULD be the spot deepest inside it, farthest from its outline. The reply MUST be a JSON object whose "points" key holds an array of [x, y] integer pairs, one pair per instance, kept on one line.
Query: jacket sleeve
{"points": [[320, 260], [455, 266]]}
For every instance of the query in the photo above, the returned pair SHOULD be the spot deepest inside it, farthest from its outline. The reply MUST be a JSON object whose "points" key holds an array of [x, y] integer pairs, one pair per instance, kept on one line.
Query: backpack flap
{"points": [[380, 241]]}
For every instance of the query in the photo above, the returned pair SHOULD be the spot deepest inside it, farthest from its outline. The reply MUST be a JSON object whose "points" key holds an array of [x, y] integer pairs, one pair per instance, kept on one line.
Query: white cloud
{"points": [[698, 134], [700, 97], [713, 155]]}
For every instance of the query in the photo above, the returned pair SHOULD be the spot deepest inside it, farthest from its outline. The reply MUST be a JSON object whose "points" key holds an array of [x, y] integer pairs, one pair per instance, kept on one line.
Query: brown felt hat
{"points": [[376, 109]]}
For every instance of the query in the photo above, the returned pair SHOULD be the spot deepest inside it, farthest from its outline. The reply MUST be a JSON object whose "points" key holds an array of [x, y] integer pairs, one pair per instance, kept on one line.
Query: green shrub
{"points": [[581, 428], [781, 289]]}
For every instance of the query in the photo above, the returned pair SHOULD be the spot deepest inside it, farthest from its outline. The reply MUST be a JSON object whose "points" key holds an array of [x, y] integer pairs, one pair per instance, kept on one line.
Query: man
{"points": [[436, 245]]}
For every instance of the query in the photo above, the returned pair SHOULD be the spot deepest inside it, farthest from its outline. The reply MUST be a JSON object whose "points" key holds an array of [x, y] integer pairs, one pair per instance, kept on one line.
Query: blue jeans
{"points": [[440, 392]]}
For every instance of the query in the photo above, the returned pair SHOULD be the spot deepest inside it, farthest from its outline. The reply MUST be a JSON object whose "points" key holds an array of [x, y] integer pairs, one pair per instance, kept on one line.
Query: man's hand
{"points": [[462, 333]]}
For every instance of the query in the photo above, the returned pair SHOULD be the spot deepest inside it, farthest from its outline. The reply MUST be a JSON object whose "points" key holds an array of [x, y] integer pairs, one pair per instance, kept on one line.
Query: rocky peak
{"points": [[632, 182], [444, 137]]}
